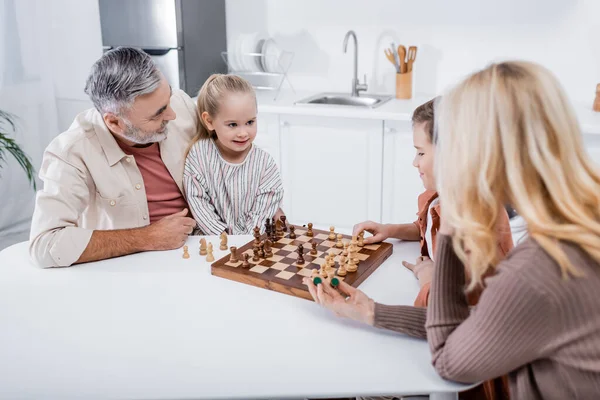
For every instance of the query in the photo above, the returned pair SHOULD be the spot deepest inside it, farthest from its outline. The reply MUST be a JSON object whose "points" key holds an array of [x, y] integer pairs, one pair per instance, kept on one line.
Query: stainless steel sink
{"points": [[344, 99]]}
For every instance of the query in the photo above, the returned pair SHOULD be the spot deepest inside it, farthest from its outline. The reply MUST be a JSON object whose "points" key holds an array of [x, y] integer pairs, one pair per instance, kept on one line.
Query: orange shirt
{"points": [[505, 242], [494, 389], [163, 194]]}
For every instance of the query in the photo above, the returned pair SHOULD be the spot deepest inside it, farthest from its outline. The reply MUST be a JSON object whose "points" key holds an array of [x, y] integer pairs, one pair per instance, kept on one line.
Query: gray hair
{"points": [[119, 76]]}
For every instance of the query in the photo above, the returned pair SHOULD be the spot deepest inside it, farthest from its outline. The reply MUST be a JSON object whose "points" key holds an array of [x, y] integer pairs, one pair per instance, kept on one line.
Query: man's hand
{"points": [[170, 232], [423, 269]]}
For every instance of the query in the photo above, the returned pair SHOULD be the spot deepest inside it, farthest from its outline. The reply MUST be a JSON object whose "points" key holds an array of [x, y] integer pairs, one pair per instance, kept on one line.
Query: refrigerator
{"points": [[185, 38]]}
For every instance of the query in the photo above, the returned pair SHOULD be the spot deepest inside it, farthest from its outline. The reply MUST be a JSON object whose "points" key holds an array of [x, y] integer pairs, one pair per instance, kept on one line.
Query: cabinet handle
{"points": [[284, 124], [389, 130]]}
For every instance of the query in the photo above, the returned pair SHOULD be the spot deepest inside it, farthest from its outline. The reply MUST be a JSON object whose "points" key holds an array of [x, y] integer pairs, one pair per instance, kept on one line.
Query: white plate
{"points": [[271, 54], [248, 46]]}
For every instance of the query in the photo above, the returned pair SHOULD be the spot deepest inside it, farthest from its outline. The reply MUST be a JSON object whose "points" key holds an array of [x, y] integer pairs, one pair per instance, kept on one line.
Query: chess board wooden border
{"points": [[243, 275]]}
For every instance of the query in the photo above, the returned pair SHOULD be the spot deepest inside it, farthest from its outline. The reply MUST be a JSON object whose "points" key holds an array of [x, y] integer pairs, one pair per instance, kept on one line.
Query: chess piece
{"points": [[268, 227], [185, 252], [267, 249], [354, 243], [209, 256], [223, 245], [361, 239], [310, 232], [233, 258], [274, 236], [261, 249], [284, 225], [278, 229], [203, 251], [313, 252], [300, 259], [257, 235], [246, 263], [255, 251], [323, 270], [342, 269], [292, 232], [331, 260], [596, 106], [315, 272], [351, 267], [345, 252], [332, 269], [339, 243], [331, 233]]}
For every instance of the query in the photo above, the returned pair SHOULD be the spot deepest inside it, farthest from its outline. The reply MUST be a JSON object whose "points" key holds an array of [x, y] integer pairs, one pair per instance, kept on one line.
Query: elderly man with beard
{"points": [[113, 181]]}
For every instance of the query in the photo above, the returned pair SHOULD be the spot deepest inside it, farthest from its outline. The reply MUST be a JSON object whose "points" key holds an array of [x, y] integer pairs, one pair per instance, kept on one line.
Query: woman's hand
{"points": [[346, 301], [423, 269], [380, 232]]}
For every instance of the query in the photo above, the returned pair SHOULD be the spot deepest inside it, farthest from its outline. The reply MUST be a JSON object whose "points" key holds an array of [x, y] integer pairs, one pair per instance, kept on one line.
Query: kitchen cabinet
{"points": [[342, 170], [592, 145], [401, 183], [267, 135], [331, 169]]}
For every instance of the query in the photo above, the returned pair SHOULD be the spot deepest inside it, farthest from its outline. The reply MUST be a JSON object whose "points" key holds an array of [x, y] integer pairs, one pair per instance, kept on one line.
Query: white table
{"points": [[156, 326]]}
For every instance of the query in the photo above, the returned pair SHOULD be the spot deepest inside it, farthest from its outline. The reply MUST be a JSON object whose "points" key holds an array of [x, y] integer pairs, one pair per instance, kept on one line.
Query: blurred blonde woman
{"points": [[508, 135]]}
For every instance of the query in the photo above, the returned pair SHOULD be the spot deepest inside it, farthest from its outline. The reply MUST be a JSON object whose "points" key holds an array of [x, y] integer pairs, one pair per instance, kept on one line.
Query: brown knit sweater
{"points": [[541, 330]]}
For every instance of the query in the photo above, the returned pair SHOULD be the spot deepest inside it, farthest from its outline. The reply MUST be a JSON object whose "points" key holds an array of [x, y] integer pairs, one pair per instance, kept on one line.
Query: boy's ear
{"points": [[207, 121]]}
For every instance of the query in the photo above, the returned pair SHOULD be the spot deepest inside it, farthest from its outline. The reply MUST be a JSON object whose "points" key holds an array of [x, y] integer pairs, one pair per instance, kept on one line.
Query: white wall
{"points": [[454, 38], [46, 51], [77, 44], [27, 92]]}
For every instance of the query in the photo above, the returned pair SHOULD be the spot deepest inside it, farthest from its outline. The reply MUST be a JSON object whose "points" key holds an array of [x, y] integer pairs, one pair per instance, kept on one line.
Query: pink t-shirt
{"points": [[163, 194]]}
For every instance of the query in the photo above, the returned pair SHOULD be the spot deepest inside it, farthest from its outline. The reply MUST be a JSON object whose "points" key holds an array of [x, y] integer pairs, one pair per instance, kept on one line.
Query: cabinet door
{"points": [[267, 136], [401, 182], [592, 145], [332, 169]]}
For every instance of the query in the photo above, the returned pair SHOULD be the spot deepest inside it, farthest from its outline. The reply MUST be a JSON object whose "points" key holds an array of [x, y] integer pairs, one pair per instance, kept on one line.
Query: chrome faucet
{"points": [[356, 86]]}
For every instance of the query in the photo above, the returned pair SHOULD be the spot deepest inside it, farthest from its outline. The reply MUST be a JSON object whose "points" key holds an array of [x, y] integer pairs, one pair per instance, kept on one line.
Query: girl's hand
{"points": [[348, 302], [423, 269], [380, 232]]}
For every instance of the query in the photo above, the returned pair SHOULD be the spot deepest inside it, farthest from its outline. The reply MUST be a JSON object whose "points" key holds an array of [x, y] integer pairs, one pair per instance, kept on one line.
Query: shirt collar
{"points": [[111, 149]]}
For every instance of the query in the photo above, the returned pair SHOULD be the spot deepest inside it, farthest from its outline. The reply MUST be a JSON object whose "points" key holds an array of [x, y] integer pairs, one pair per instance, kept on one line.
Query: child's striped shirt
{"points": [[231, 197]]}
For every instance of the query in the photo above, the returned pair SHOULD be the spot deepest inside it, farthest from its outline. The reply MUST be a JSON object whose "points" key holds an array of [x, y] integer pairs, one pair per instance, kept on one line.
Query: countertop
{"points": [[392, 110]]}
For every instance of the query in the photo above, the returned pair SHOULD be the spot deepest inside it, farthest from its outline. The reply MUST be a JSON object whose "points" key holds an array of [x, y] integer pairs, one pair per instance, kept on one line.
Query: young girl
{"points": [[231, 185]]}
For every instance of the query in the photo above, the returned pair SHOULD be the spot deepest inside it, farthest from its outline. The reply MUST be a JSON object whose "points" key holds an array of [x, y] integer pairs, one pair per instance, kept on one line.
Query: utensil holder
{"points": [[404, 85]]}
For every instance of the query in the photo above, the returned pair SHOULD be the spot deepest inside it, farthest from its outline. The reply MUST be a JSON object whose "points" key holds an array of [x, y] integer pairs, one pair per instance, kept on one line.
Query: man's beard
{"points": [[139, 136]]}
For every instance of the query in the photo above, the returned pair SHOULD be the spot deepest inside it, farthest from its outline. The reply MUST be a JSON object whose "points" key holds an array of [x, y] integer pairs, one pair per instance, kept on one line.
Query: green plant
{"points": [[9, 145]]}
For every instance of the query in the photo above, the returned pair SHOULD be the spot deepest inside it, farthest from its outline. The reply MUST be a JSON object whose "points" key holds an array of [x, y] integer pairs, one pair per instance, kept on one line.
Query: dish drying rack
{"points": [[265, 72]]}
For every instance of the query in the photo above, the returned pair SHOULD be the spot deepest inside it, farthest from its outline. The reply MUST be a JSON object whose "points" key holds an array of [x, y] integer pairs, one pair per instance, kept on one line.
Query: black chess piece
{"points": [[300, 259], [313, 252], [246, 263], [283, 219], [292, 232]]}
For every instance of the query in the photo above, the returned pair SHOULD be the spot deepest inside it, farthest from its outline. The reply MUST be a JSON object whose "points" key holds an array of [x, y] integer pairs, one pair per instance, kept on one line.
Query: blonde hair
{"points": [[511, 135], [211, 94]]}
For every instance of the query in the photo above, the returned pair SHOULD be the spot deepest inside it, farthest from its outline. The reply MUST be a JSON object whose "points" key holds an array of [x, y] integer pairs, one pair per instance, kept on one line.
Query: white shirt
{"points": [[428, 238]]}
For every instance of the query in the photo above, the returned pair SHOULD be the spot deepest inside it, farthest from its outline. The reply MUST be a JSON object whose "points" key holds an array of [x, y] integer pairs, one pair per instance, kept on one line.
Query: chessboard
{"points": [[281, 273]]}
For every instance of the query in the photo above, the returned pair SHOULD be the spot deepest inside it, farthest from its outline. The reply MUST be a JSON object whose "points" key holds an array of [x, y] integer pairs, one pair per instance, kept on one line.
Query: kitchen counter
{"points": [[392, 110]]}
